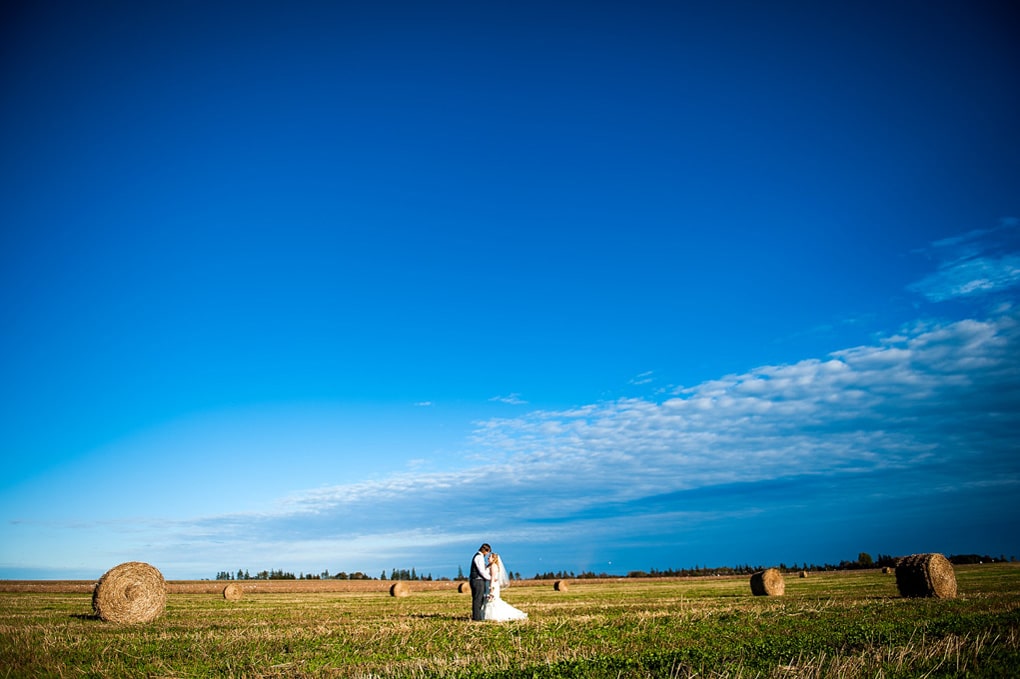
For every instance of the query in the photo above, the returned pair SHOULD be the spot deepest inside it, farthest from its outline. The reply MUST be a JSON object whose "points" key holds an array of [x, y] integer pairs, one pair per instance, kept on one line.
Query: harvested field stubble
{"points": [[833, 624]]}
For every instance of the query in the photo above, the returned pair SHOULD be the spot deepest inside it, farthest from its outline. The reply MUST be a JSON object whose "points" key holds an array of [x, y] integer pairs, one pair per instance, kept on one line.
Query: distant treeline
{"points": [[864, 560], [396, 574]]}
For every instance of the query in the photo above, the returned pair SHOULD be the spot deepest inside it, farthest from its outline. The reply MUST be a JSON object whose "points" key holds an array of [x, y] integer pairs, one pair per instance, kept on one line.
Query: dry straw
{"points": [[560, 586], [768, 582], [400, 589], [131, 592], [233, 592], [463, 588], [926, 575]]}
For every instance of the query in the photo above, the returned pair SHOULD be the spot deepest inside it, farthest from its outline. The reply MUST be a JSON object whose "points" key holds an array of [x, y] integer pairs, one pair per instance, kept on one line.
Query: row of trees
{"points": [[976, 558], [864, 560], [404, 574], [242, 574], [396, 574], [510, 574]]}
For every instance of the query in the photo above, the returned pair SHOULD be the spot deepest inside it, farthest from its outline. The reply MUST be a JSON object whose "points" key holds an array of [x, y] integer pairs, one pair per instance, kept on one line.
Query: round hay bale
{"points": [[400, 588], [887, 570], [464, 588], [768, 582], [560, 586], [233, 592], [131, 592], [926, 575], [803, 574]]}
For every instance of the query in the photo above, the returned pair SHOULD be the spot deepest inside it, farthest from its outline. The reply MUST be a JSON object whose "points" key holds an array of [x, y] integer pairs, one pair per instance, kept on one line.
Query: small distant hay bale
{"points": [[233, 592], [132, 592], [768, 582], [400, 588], [803, 574], [926, 575], [464, 588], [886, 570], [561, 586]]}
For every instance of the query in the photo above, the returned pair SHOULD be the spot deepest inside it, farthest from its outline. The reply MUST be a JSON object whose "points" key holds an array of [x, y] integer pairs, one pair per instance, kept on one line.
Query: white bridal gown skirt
{"points": [[498, 610]]}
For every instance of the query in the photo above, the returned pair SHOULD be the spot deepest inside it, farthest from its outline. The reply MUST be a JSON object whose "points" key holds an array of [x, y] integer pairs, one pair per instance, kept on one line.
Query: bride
{"points": [[495, 608]]}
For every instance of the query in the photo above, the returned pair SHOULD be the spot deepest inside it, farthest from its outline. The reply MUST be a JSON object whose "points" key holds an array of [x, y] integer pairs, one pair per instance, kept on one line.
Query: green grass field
{"points": [[847, 624]]}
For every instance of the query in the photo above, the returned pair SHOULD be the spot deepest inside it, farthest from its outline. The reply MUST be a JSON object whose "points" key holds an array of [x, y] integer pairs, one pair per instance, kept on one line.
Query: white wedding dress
{"points": [[495, 608]]}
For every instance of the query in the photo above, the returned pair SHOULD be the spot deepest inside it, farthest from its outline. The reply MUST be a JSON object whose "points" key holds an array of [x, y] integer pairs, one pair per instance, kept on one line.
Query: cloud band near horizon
{"points": [[936, 404], [924, 414]]}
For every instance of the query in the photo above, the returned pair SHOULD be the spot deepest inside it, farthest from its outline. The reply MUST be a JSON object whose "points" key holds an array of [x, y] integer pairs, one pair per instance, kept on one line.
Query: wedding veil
{"points": [[504, 581]]}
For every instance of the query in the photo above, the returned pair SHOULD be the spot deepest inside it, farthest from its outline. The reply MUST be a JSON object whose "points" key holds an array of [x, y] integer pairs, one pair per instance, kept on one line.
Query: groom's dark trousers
{"points": [[477, 597], [477, 592]]}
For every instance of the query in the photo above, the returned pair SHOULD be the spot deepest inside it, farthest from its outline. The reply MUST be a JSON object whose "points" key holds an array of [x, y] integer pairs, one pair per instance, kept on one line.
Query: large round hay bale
{"points": [[768, 582], [400, 588], [803, 574], [560, 586], [886, 570], [926, 575], [233, 592], [131, 592], [464, 587]]}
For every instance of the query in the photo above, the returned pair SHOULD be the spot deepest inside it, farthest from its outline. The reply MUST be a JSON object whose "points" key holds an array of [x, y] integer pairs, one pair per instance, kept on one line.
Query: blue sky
{"points": [[611, 286]]}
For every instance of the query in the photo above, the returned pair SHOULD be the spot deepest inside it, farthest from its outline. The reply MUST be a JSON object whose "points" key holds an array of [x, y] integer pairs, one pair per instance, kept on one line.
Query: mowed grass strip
{"points": [[850, 624]]}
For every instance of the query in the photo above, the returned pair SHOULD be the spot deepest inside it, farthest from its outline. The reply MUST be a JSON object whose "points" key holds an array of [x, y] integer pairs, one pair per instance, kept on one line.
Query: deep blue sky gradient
{"points": [[268, 268]]}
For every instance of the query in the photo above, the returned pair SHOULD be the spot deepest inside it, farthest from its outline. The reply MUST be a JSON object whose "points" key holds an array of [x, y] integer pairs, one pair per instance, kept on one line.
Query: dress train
{"points": [[496, 609]]}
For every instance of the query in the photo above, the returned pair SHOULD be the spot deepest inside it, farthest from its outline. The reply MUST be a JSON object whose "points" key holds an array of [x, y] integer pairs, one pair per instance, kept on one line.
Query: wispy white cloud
{"points": [[977, 263], [510, 399], [643, 378], [970, 277]]}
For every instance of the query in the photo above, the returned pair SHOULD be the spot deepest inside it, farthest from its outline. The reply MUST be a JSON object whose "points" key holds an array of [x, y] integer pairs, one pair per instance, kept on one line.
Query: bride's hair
{"points": [[494, 560]]}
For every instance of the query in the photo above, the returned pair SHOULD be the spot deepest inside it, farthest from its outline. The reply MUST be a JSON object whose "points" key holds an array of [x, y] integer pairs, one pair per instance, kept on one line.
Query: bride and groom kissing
{"points": [[488, 577]]}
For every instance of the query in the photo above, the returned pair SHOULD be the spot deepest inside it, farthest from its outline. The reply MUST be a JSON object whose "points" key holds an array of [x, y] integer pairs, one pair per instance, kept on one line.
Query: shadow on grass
{"points": [[439, 616], [85, 616]]}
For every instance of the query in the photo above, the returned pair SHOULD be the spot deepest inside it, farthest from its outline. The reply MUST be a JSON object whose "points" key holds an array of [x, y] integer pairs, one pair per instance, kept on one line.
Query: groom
{"points": [[479, 579]]}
